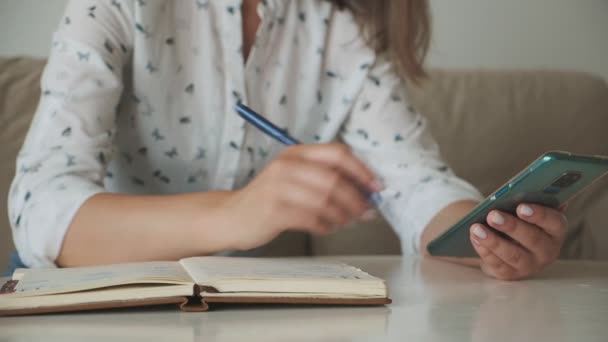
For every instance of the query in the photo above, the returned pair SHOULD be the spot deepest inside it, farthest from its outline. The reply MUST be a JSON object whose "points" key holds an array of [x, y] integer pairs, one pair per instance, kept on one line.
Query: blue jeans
{"points": [[14, 263]]}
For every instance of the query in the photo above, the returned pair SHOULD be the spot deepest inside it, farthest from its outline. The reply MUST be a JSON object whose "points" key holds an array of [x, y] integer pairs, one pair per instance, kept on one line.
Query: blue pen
{"points": [[269, 128], [264, 125]]}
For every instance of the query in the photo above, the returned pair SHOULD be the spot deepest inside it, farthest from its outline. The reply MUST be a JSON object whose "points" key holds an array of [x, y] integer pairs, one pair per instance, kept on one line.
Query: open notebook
{"points": [[191, 283]]}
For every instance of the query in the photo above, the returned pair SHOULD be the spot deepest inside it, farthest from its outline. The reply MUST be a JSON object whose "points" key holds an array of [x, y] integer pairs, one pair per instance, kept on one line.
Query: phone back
{"points": [[551, 180]]}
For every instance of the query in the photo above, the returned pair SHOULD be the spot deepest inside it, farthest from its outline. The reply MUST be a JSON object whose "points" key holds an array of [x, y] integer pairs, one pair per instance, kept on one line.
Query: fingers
{"points": [[332, 188], [302, 205], [340, 157], [537, 234], [552, 221], [494, 247], [493, 265], [319, 198], [320, 187], [344, 195], [529, 236], [538, 229]]}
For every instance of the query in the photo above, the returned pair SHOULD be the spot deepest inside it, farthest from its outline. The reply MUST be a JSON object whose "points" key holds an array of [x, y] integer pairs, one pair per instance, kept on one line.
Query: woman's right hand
{"points": [[314, 188]]}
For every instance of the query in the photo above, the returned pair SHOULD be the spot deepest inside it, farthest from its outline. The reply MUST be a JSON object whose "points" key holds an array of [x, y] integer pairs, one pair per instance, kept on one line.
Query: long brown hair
{"points": [[401, 29]]}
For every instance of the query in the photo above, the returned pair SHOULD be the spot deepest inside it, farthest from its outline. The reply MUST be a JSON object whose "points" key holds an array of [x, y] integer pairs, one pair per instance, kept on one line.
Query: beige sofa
{"points": [[489, 125]]}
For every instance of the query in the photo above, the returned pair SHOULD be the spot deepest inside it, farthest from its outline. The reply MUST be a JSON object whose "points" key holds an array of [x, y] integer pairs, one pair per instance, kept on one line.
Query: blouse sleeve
{"points": [[394, 140], [62, 161]]}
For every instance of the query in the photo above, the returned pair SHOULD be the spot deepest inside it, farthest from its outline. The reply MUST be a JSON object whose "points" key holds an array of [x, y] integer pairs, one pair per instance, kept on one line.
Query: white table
{"points": [[432, 301]]}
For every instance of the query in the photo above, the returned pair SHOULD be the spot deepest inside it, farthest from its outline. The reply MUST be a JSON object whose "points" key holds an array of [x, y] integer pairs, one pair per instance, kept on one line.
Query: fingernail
{"points": [[526, 210], [377, 185], [498, 219], [480, 232], [369, 215]]}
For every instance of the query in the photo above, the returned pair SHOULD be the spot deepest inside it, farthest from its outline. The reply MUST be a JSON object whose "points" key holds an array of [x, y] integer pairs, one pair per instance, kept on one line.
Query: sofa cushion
{"points": [[490, 125], [19, 92]]}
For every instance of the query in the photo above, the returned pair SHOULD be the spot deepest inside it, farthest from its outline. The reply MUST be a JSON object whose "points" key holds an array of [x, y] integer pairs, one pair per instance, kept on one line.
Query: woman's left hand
{"points": [[537, 235]]}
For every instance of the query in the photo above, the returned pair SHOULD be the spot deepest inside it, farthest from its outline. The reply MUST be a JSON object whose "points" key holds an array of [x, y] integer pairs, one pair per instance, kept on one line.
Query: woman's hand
{"points": [[537, 235], [315, 188]]}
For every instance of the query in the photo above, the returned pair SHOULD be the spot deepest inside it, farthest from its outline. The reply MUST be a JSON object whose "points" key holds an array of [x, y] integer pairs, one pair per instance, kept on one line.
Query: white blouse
{"points": [[138, 97]]}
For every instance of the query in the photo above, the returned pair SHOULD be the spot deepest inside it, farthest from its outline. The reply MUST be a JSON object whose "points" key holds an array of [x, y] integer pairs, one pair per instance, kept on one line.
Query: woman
{"points": [[136, 154]]}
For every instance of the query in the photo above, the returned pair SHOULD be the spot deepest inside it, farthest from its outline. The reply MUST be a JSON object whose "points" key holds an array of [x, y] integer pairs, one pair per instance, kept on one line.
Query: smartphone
{"points": [[551, 180]]}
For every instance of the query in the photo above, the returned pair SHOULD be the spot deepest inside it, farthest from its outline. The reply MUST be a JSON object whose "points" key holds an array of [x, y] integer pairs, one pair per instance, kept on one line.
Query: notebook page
{"points": [[205, 269], [34, 282]]}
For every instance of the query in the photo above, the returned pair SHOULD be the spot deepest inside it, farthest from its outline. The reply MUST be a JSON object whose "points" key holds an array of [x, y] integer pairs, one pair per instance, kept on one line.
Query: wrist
{"points": [[230, 220], [212, 222], [443, 220]]}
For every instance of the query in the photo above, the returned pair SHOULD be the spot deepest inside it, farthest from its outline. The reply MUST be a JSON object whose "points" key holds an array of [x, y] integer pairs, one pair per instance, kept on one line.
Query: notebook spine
{"points": [[196, 303]]}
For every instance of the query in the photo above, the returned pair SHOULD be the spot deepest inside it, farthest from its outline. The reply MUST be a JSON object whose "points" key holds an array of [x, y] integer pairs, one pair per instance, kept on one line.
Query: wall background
{"points": [[553, 34], [26, 26]]}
